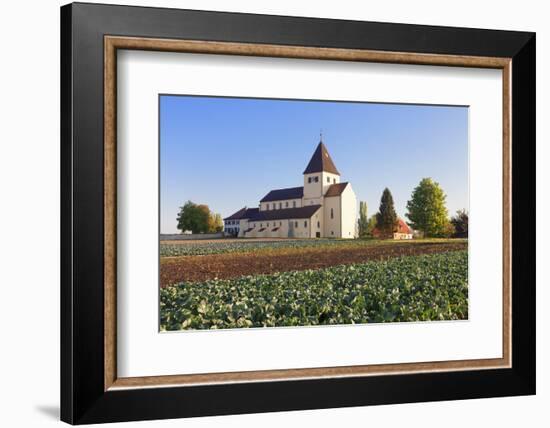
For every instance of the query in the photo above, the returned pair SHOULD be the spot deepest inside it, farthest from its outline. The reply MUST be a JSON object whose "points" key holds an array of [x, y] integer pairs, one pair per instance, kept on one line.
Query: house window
{"points": [[293, 204], [328, 179], [295, 224], [334, 180], [318, 224], [332, 232], [279, 205], [267, 206], [316, 179], [280, 223], [286, 204], [332, 213], [267, 224], [261, 225], [305, 223]]}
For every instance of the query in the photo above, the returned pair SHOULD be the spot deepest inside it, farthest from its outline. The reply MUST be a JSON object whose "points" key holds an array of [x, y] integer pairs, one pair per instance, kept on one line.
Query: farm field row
{"points": [[411, 288], [234, 264], [222, 246]]}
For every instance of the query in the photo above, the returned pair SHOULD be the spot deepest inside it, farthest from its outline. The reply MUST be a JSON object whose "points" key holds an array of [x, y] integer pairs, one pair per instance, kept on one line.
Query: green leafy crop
{"points": [[413, 288]]}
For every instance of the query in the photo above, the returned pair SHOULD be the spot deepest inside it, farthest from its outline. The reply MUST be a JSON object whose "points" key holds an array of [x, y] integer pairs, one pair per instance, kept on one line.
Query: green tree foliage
{"points": [[371, 225], [426, 209], [386, 218], [460, 223], [198, 219], [363, 222]]}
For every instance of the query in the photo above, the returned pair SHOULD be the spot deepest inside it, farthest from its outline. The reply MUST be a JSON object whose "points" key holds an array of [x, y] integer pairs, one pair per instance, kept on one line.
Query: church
{"points": [[324, 207]]}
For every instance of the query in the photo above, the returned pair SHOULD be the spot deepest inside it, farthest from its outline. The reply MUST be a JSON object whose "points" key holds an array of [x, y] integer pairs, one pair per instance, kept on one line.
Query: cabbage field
{"points": [[198, 248], [410, 288]]}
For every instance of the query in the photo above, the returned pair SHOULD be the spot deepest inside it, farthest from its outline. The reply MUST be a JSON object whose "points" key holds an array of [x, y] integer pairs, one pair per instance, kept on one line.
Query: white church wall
{"points": [[349, 212], [284, 204], [332, 217], [317, 224], [329, 179], [313, 185]]}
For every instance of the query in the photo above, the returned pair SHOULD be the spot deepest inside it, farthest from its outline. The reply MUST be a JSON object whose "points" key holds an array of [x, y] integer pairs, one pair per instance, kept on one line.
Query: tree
{"points": [[371, 225], [193, 217], [386, 218], [460, 223], [426, 209], [363, 221], [215, 223]]}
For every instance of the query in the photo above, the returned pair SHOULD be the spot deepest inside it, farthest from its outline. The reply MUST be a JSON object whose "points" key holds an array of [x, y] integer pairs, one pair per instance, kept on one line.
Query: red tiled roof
{"points": [[403, 227]]}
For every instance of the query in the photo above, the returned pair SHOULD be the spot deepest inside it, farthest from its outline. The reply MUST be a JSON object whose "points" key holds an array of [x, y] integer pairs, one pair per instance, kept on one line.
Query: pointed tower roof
{"points": [[321, 161]]}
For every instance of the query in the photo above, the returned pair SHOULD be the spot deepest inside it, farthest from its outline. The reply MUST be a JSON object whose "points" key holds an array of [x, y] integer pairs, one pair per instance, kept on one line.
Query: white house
{"points": [[323, 207]]}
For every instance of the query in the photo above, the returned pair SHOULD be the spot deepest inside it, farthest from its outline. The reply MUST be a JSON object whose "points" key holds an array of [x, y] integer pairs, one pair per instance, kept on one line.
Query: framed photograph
{"points": [[265, 213]]}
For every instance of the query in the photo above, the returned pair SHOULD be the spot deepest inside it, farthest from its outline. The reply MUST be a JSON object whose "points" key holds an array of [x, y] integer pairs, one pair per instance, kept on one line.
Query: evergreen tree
{"points": [[363, 221], [386, 218], [426, 209]]}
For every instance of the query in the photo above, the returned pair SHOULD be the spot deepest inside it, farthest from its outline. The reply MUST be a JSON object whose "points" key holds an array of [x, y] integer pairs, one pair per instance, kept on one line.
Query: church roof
{"points": [[285, 214], [282, 194], [336, 189], [242, 213], [321, 161]]}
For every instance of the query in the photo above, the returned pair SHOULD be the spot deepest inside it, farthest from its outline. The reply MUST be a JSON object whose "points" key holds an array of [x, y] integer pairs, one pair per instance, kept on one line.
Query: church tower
{"points": [[319, 175]]}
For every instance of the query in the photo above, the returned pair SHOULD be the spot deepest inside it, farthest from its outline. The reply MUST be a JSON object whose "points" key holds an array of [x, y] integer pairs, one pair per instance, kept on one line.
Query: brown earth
{"points": [[233, 265]]}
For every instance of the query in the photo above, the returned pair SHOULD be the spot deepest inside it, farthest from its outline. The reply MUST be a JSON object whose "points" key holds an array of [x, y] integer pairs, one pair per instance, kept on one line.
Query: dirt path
{"points": [[233, 265]]}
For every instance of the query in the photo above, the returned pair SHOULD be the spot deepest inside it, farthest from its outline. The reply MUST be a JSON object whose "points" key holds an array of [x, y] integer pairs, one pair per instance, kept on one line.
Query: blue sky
{"points": [[229, 152]]}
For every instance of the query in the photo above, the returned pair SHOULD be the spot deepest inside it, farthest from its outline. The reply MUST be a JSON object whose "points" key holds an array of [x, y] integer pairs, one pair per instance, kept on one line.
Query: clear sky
{"points": [[229, 152]]}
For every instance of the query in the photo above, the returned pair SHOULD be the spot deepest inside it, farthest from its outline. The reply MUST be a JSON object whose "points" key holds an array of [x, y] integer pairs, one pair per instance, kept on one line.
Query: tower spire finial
{"points": [[321, 135]]}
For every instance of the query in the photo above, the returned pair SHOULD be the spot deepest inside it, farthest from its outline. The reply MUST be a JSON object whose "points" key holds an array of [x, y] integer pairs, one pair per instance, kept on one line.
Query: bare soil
{"points": [[233, 265]]}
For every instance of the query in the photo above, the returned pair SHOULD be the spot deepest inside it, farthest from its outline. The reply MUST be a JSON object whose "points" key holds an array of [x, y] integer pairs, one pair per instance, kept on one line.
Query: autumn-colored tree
{"points": [[426, 209], [460, 223], [215, 223]]}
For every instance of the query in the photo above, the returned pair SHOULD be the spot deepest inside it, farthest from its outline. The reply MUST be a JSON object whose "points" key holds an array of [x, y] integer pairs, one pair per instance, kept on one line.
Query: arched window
{"points": [[332, 213]]}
